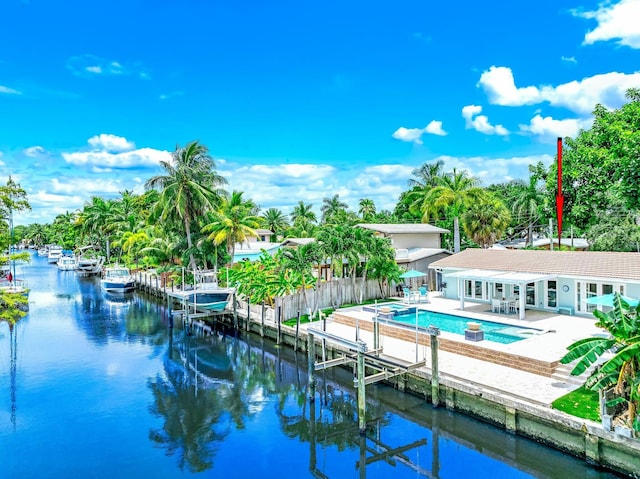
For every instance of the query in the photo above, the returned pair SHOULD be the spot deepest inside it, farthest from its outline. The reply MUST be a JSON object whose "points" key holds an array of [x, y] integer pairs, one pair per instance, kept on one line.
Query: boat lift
{"points": [[356, 352]]}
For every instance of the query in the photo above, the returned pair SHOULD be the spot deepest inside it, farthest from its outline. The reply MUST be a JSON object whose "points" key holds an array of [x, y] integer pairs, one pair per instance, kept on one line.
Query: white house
{"points": [[558, 281], [417, 245]]}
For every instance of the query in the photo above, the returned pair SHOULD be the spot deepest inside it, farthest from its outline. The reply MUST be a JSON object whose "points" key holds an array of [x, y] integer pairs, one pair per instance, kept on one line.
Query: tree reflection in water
{"points": [[208, 388]]}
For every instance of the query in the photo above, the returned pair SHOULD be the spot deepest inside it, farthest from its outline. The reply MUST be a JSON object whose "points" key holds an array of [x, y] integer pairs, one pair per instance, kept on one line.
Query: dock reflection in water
{"points": [[102, 387]]}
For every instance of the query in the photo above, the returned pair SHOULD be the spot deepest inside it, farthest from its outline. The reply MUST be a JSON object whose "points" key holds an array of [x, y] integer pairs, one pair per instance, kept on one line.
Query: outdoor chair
{"points": [[496, 305], [424, 294], [408, 295]]}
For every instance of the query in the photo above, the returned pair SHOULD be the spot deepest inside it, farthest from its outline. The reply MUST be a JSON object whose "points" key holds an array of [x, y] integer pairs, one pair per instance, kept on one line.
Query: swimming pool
{"points": [[496, 332]]}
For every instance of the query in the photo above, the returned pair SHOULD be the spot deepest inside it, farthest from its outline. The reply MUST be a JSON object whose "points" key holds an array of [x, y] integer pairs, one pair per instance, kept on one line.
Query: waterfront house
{"points": [[555, 281], [417, 246]]}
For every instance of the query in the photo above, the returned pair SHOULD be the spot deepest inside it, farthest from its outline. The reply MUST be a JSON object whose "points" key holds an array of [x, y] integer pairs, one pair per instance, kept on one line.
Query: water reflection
{"points": [[119, 316], [197, 399]]}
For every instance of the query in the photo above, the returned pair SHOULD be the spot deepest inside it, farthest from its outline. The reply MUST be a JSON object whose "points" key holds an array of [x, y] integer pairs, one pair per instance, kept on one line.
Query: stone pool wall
{"points": [[465, 348]]}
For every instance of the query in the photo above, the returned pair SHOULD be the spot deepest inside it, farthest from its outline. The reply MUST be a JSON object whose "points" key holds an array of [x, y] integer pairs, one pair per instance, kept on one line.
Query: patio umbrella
{"points": [[412, 273], [607, 300]]}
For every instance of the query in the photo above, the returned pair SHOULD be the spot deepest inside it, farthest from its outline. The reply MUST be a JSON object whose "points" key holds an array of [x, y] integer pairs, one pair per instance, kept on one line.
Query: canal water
{"points": [[100, 387]]}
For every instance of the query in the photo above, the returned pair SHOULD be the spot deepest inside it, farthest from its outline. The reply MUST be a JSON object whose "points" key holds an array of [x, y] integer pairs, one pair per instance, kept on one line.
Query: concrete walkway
{"points": [[560, 331]]}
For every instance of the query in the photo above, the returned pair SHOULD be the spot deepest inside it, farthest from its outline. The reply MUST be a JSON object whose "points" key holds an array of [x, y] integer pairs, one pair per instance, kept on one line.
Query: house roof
{"points": [[414, 254], [579, 264], [262, 231], [402, 228], [297, 241]]}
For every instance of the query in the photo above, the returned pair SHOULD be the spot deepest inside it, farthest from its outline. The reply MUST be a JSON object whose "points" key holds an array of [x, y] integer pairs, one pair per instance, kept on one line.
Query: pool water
{"points": [[496, 332]]}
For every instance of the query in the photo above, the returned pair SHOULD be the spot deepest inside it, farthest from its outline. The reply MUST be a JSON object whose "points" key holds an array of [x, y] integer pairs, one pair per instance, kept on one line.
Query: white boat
{"points": [[89, 266], [44, 251], [205, 293], [66, 263], [55, 252], [117, 279]]}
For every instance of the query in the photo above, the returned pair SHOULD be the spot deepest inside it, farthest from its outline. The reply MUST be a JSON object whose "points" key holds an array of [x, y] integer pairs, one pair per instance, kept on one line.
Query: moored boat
{"points": [[55, 252], [117, 279], [66, 263], [205, 293]]}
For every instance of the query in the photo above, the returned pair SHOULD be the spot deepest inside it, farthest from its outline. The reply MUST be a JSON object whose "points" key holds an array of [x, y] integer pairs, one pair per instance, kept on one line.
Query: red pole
{"points": [[559, 195]]}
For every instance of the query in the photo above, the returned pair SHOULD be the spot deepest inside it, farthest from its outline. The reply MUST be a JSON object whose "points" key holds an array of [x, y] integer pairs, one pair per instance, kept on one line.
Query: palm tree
{"points": [[234, 222], [300, 261], [367, 209], [331, 206], [528, 203], [275, 220], [486, 221], [427, 176], [303, 212], [455, 190], [97, 219], [188, 189]]}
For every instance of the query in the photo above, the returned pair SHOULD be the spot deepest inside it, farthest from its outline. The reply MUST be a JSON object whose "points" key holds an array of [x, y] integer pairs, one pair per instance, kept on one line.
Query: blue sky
{"points": [[299, 100]]}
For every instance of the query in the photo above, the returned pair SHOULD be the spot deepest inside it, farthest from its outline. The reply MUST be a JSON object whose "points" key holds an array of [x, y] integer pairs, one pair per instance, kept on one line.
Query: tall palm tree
{"points": [[303, 212], [528, 204], [96, 220], [234, 221], [331, 206], [427, 176], [455, 190], [367, 209], [188, 189], [485, 221], [300, 261], [275, 220]]}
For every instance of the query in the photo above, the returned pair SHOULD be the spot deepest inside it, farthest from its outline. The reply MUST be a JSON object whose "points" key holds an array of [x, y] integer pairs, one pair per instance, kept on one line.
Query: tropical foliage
{"points": [[617, 356]]}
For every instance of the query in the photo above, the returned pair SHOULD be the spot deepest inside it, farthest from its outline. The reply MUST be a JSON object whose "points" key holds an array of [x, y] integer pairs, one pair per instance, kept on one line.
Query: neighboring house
{"points": [[295, 242], [417, 246], [252, 250], [262, 235], [558, 281], [573, 243]]}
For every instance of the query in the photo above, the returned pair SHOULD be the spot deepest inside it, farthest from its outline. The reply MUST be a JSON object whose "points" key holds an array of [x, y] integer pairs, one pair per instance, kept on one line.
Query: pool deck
{"points": [[561, 330]]}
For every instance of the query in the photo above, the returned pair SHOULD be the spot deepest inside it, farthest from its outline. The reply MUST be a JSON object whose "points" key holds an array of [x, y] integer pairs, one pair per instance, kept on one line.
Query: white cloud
{"points": [[34, 151], [435, 128], [415, 134], [608, 89], [143, 157], [616, 21], [111, 143], [548, 129], [568, 59], [473, 120], [9, 91], [495, 170], [499, 85], [91, 65], [97, 186]]}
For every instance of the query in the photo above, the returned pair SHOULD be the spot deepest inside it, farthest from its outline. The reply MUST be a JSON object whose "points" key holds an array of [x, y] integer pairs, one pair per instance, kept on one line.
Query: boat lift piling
{"points": [[356, 353]]}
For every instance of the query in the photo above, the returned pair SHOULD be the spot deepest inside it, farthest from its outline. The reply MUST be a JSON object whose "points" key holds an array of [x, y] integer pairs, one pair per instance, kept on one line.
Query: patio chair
{"points": [[408, 296], [423, 294], [496, 305]]}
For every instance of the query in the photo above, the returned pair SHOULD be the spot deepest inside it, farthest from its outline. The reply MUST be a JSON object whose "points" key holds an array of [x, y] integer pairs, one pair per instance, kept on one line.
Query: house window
{"points": [[498, 291], [474, 289], [552, 294]]}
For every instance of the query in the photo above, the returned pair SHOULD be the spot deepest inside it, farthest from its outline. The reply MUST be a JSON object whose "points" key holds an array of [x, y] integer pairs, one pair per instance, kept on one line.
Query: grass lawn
{"points": [[581, 403], [304, 318]]}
